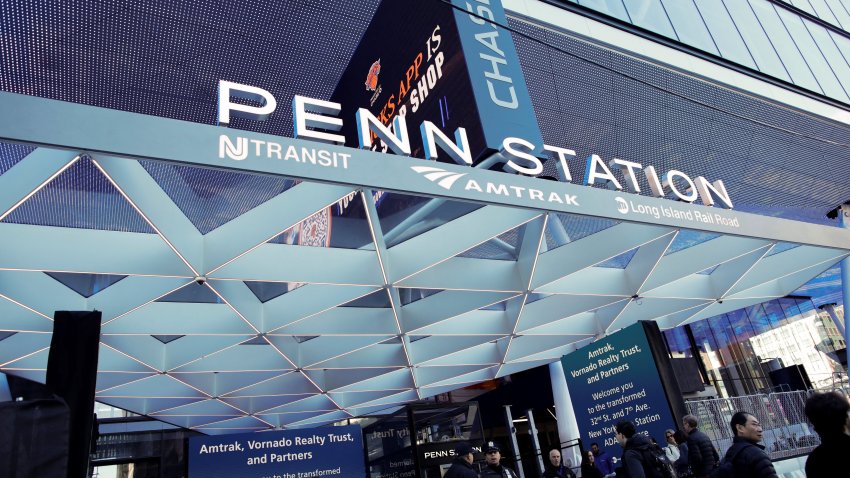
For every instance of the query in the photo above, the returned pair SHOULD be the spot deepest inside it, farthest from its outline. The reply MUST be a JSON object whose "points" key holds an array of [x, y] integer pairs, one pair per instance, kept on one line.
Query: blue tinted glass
{"points": [[836, 61], [689, 25], [759, 319], [650, 14], [841, 14], [615, 8], [823, 11], [789, 306], [775, 313], [703, 336], [826, 78], [741, 325], [760, 47], [721, 330], [677, 341], [805, 306], [801, 74], [725, 35]]}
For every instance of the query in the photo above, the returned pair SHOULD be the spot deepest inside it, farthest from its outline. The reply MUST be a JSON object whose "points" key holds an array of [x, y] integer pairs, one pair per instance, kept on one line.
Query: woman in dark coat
{"points": [[683, 468], [588, 466]]}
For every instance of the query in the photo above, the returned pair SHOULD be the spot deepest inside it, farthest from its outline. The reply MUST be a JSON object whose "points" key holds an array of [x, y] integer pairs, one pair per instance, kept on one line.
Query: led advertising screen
{"points": [[428, 60], [617, 378], [302, 453]]}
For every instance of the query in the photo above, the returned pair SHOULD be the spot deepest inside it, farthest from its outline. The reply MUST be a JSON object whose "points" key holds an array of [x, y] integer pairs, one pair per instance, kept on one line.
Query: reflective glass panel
{"points": [[801, 74], [841, 14], [614, 8], [689, 25], [759, 45], [833, 56], [725, 35], [650, 14], [823, 11], [825, 77]]}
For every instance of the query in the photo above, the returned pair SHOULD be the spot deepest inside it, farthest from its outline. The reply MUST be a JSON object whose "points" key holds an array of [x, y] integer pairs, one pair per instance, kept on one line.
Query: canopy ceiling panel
{"points": [[226, 321]]}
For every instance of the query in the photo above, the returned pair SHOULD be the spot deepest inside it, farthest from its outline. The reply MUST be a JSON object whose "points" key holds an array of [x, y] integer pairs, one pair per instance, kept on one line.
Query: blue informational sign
{"points": [[304, 453], [614, 379]]}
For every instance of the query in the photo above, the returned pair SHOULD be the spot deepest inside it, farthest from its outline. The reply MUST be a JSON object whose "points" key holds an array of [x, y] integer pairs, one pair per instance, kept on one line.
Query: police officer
{"points": [[493, 468]]}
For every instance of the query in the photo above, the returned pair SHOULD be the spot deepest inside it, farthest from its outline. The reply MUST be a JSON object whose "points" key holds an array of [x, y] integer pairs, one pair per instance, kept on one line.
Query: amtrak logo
{"points": [[444, 179], [622, 205]]}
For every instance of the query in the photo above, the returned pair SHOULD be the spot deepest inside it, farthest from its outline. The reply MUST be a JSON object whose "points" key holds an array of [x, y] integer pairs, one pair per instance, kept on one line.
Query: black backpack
{"points": [[726, 469], [658, 463]]}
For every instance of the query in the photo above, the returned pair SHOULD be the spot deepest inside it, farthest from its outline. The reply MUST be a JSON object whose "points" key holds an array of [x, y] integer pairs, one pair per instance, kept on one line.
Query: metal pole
{"points": [[532, 430], [567, 425], [844, 221], [512, 431]]}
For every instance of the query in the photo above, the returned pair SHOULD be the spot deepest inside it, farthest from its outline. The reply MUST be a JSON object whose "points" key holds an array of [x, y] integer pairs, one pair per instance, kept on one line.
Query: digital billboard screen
{"points": [[444, 64]]}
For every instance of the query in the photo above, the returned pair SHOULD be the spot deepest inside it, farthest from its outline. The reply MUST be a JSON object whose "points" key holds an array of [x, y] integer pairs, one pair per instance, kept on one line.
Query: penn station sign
{"points": [[319, 120]]}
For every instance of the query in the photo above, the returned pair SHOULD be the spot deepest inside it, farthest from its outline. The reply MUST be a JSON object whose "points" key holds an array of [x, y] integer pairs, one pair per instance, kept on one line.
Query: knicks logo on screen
{"points": [[372, 78]]}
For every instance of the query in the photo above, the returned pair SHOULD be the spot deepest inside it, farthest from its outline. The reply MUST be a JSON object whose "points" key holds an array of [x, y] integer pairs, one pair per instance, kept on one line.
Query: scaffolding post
{"points": [[512, 431]]}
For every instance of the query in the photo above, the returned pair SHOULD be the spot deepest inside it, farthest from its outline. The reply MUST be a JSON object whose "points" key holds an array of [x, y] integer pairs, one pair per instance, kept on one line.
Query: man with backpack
{"points": [[702, 455], [641, 459], [745, 458]]}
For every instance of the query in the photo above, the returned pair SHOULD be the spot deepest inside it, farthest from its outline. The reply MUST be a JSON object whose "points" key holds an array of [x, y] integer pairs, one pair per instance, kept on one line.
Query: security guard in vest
{"points": [[493, 468]]}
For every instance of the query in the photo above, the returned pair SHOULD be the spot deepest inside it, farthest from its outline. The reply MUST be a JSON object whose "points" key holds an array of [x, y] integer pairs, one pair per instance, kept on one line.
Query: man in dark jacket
{"points": [[747, 456], [828, 413], [556, 469], [603, 461], [636, 448], [702, 456], [494, 468], [462, 463]]}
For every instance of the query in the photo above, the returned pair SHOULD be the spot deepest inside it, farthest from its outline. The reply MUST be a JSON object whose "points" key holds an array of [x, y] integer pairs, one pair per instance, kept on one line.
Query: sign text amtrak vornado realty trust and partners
{"points": [[301, 453]]}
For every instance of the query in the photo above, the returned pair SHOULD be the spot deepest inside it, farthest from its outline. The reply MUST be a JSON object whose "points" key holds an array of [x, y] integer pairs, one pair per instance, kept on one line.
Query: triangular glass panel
{"points": [[707, 272], [303, 338], [620, 261], [565, 228], [82, 198], [687, 238], [499, 306], [378, 299], [781, 247], [344, 225], [192, 293], [167, 338], [534, 297], [266, 291], [86, 285], [258, 340], [410, 295], [404, 216], [11, 154], [391, 341], [6, 335], [414, 338], [504, 247], [212, 197]]}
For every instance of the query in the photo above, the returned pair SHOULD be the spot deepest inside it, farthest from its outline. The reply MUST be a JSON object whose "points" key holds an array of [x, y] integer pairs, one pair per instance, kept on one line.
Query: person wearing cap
{"points": [[462, 463], [494, 468]]}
